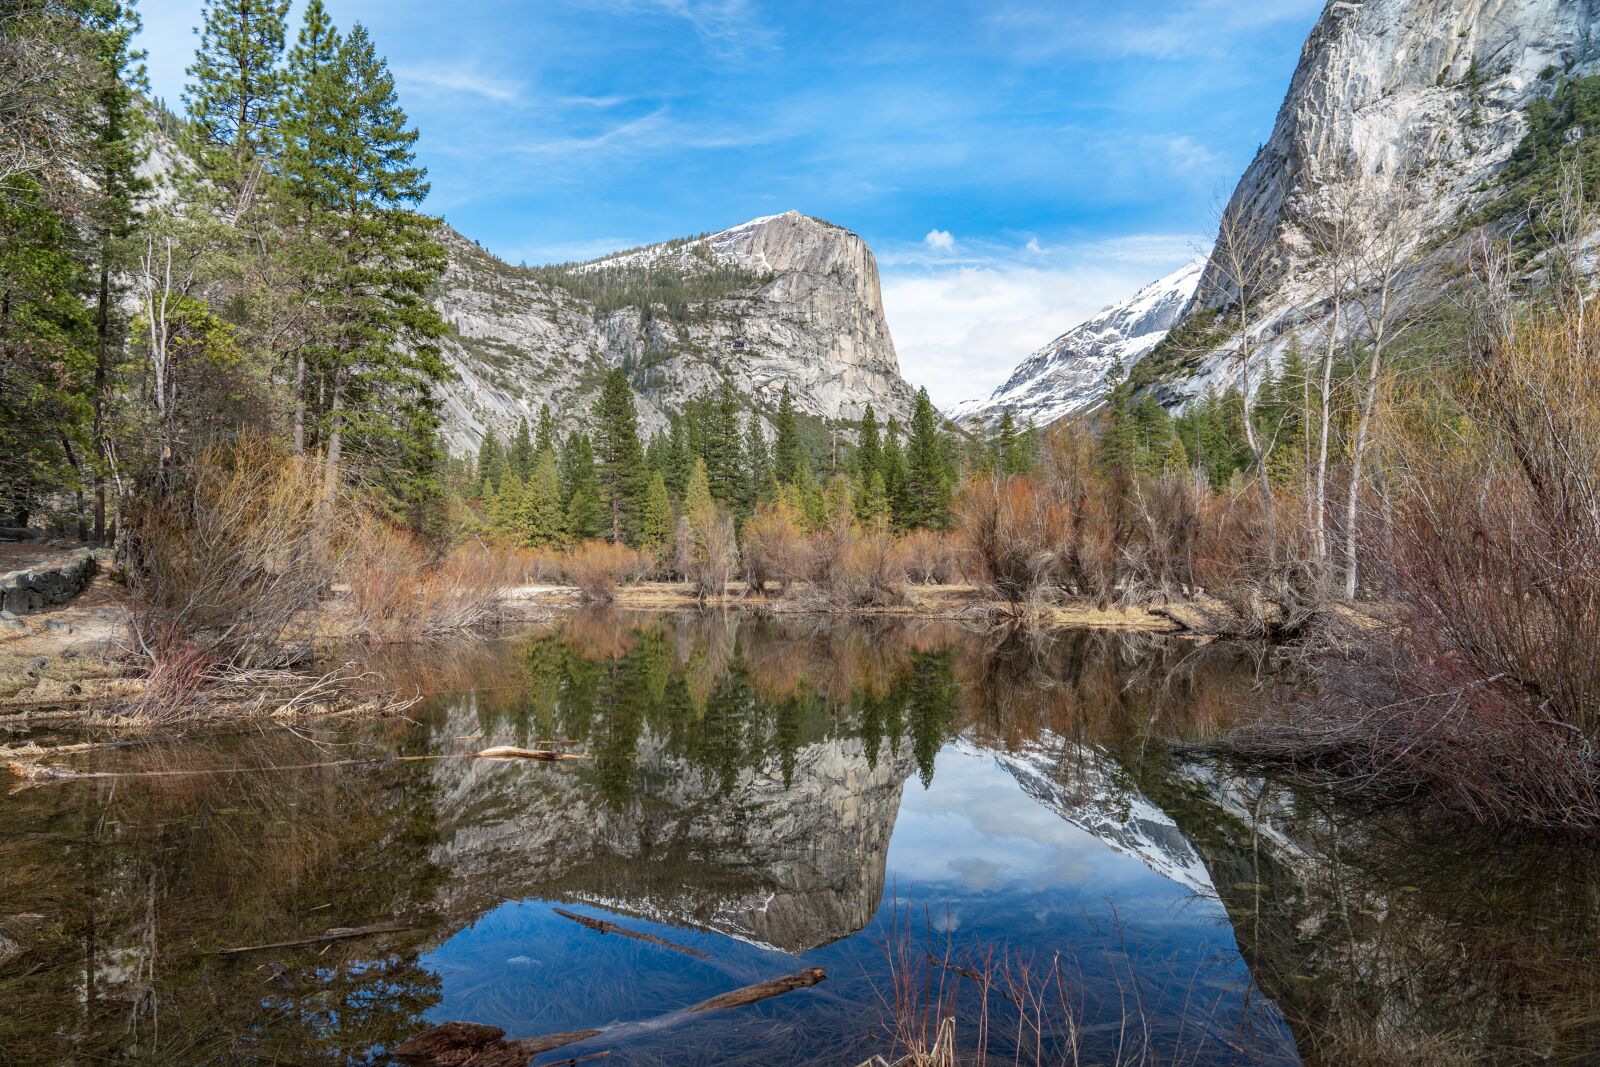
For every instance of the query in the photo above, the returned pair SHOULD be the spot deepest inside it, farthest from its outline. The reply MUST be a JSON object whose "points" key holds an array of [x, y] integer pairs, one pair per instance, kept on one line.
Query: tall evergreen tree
{"points": [[349, 152], [116, 150], [542, 522], [927, 489], [759, 482], [655, 518], [521, 458], [236, 86], [788, 453], [619, 459], [721, 445], [868, 459], [894, 466], [544, 439], [579, 489], [680, 456], [1007, 453]]}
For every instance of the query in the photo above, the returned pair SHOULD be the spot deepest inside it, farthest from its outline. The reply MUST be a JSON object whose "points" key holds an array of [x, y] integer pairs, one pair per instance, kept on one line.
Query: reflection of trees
{"points": [[164, 871]]}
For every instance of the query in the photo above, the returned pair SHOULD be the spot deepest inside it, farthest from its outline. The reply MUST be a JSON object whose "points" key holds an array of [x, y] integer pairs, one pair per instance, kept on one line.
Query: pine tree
{"points": [[680, 457], [236, 86], [521, 458], [545, 438], [927, 489], [542, 522], [580, 491], [874, 503], [491, 464], [721, 445], [505, 510], [894, 467], [655, 518], [697, 493], [1007, 454], [619, 459], [868, 459], [788, 454], [349, 154], [759, 481], [116, 149], [1119, 440], [1176, 461]]}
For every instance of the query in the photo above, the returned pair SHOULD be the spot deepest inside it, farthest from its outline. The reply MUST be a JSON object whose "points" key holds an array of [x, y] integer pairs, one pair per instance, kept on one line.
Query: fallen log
{"points": [[604, 927], [513, 752], [337, 933], [459, 1044]]}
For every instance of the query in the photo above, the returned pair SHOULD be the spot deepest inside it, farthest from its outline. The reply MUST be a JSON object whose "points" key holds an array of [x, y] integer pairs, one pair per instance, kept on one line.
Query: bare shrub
{"points": [[856, 566], [224, 564], [1009, 528], [932, 557], [1488, 696], [600, 568], [400, 590], [708, 550], [774, 547]]}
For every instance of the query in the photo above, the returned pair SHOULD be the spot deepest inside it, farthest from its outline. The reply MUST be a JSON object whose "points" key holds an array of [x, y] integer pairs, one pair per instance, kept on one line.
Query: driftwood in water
{"points": [[513, 752], [773, 987], [337, 933], [601, 926], [463, 1044]]}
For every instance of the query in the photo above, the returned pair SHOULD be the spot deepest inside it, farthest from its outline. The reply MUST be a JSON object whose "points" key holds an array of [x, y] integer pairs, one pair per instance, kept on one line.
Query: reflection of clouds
{"points": [[976, 831], [977, 873]]}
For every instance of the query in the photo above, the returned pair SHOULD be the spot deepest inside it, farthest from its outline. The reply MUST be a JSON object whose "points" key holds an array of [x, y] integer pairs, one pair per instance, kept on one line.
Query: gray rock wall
{"points": [[47, 585]]}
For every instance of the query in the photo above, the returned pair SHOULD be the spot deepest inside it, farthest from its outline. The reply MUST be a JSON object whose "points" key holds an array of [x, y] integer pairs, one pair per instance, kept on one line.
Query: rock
{"points": [[11, 622], [55, 583], [816, 325], [58, 626], [35, 666]]}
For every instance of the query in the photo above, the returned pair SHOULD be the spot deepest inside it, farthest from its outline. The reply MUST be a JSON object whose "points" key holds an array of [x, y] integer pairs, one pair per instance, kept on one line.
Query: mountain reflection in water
{"points": [[772, 795]]}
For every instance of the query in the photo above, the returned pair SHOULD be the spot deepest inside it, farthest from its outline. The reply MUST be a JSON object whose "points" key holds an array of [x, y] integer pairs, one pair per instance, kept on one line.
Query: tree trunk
{"points": [[1319, 493], [300, 403], [102, 378], [330, 477]]}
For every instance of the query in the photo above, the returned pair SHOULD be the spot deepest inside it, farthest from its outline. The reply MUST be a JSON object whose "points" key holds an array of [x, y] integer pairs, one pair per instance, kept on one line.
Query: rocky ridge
{"points": [[1068, 375], [812, 319], [1432, 89]]}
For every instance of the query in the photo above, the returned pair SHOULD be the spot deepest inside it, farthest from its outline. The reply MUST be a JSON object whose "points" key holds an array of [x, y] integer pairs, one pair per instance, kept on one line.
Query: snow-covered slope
{"points": [[813, 321], [1087, 788], [1069, 374]]}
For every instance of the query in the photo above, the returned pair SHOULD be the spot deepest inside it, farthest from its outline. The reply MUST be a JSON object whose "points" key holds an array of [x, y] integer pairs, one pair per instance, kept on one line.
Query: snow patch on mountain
{"points": [[1068, 375]]}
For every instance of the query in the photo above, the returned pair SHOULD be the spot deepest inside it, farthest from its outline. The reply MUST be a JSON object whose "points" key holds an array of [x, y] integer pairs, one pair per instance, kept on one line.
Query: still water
{"points": [[948, 822]]}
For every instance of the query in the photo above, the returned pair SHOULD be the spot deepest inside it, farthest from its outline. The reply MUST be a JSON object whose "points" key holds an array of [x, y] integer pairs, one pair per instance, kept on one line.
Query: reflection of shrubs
{"points": [[600, 568]]}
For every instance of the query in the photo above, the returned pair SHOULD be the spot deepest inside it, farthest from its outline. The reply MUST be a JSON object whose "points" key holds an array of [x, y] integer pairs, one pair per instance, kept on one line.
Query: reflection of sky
{"points": [[972, 858], [976, 830]]}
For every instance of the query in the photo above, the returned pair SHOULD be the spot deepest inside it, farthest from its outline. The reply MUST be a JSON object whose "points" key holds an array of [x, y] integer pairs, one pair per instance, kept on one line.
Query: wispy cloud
{"points": [[729, 28], [459, 78], [1165, 29]]}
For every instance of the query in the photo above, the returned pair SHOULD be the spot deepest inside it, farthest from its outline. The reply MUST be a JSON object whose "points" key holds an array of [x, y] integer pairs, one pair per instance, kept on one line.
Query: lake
{"points": [[955, 822]]}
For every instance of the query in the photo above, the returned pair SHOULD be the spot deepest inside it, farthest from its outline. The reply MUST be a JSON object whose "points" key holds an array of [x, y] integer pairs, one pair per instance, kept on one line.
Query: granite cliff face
{"points": [[1068, 375], [811, 318], [1435, 90]]}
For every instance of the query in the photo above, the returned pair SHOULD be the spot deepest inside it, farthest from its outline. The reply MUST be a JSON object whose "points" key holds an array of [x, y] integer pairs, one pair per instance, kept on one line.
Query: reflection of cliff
{"points": [[1401, 936], [791, 866], [1087, 788]]}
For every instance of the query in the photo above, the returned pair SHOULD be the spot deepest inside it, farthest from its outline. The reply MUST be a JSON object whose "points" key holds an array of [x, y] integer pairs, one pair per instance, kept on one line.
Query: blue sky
{"points": [[1014, 165]]}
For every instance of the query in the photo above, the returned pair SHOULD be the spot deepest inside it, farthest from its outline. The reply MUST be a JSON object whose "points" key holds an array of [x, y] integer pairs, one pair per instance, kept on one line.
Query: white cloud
{"points": [[1033, 248], [455, 78], [940, 241], [960, 327]]}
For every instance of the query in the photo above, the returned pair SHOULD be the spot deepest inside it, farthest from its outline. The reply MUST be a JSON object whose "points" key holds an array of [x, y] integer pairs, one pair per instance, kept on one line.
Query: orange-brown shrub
{"points": [[1011, 529], [774, 547], [932, 557], [855, 566], [401, 590], [600, 568]]}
